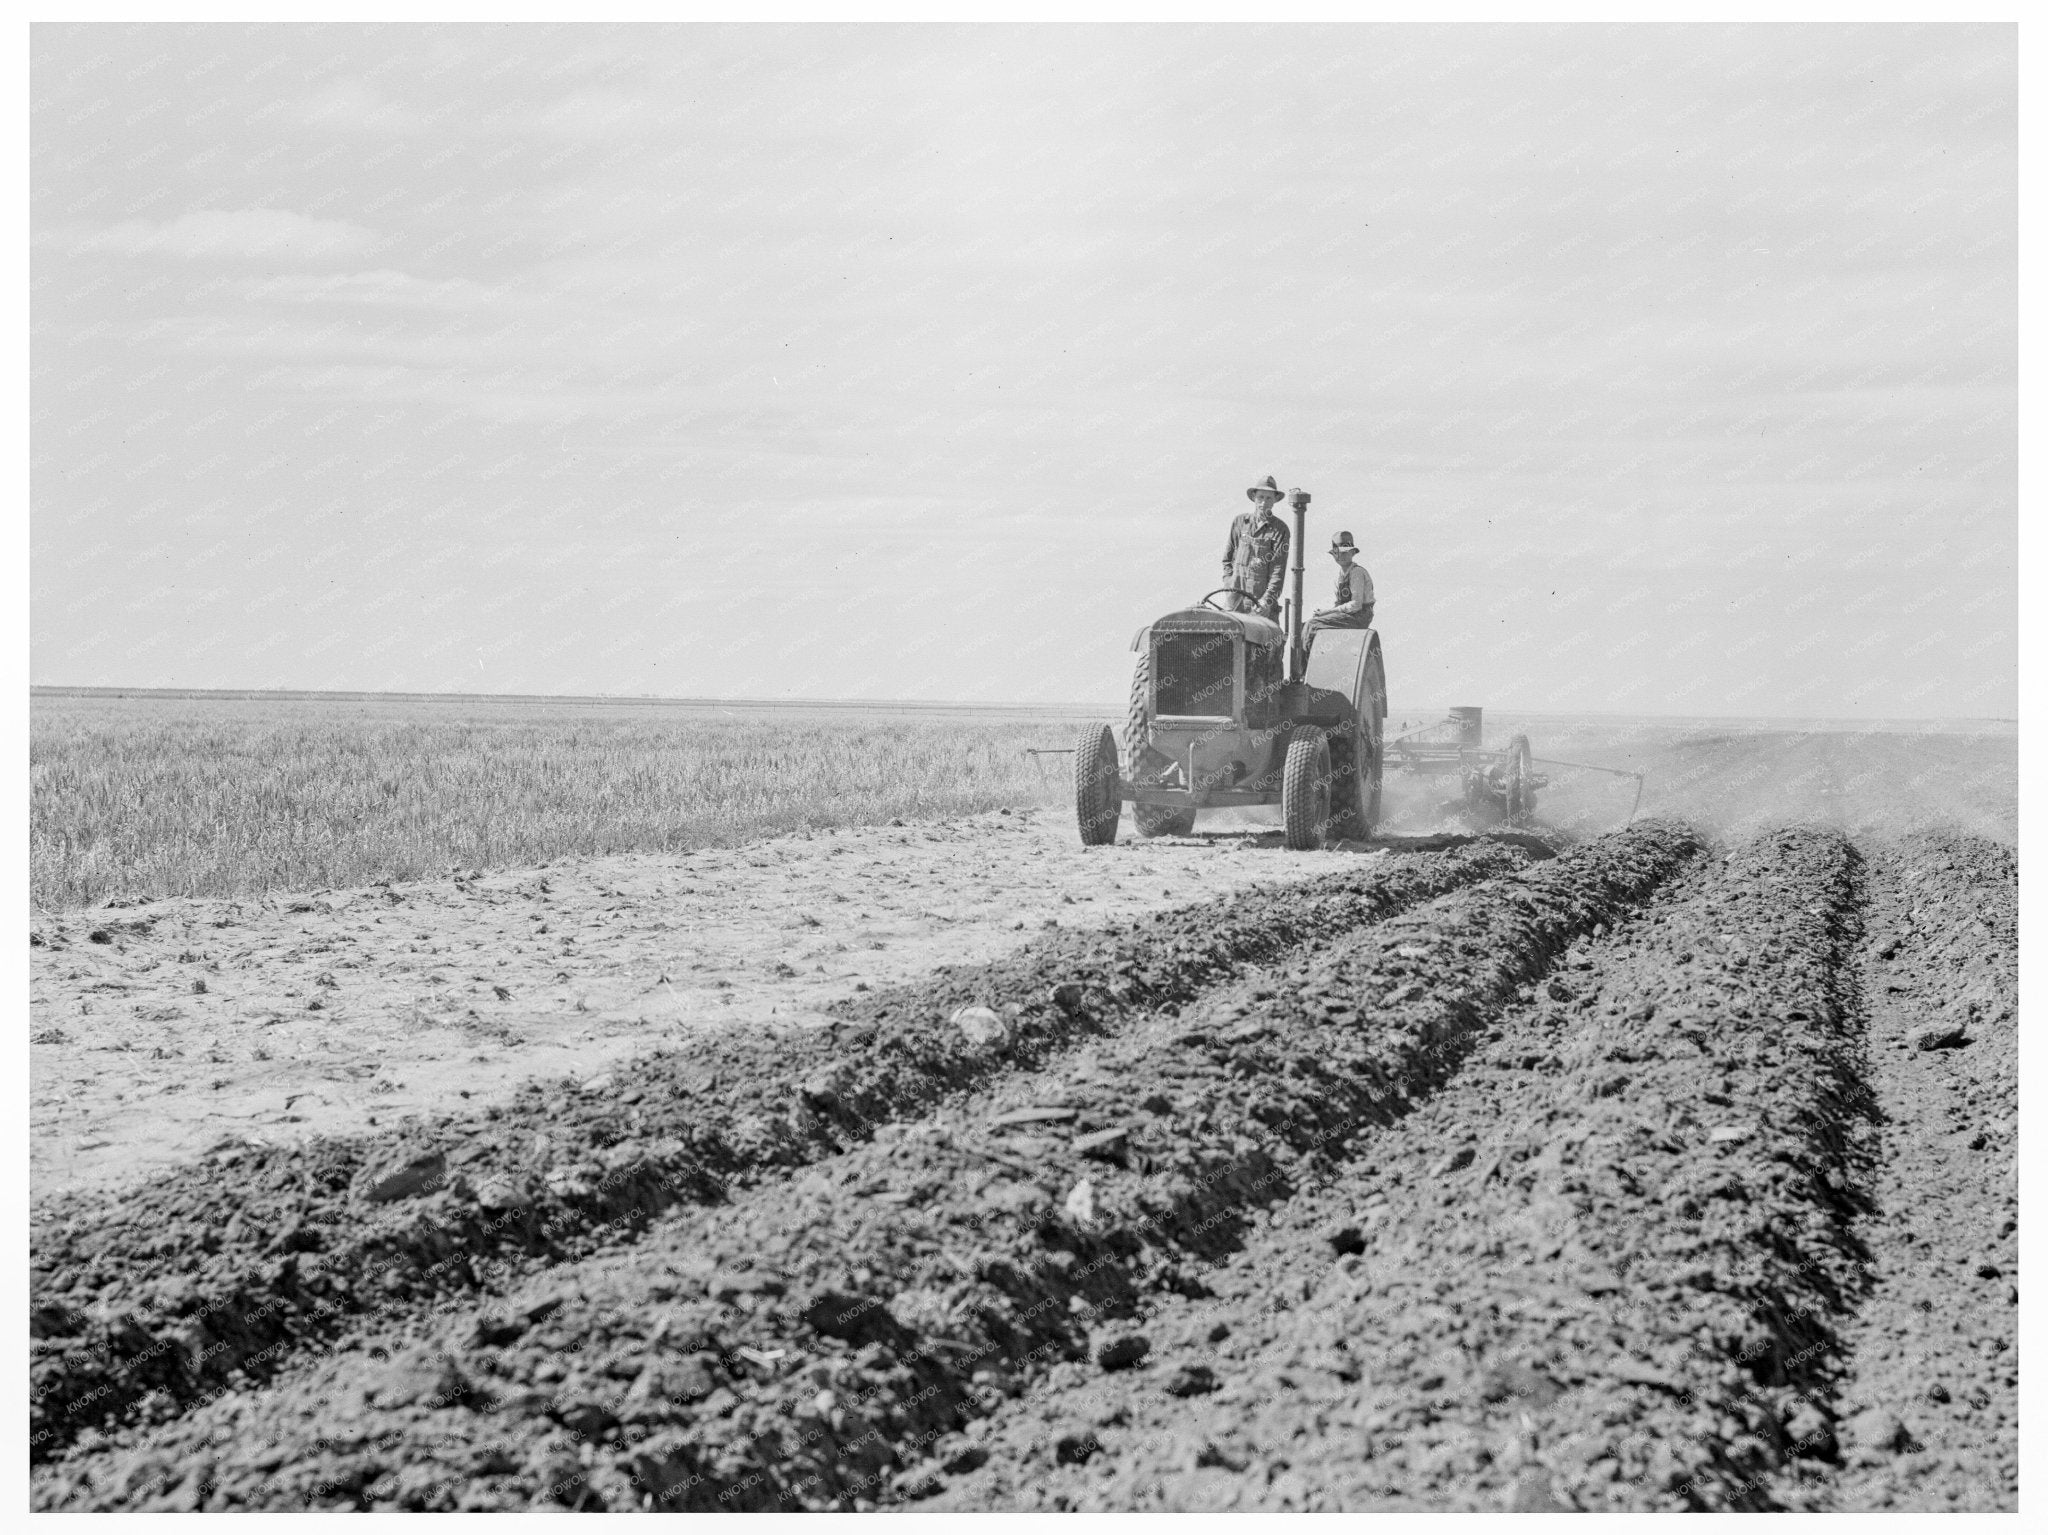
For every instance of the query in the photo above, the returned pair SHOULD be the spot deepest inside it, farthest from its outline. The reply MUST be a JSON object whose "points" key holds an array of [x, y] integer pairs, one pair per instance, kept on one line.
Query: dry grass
{"points": [[133, 799]]}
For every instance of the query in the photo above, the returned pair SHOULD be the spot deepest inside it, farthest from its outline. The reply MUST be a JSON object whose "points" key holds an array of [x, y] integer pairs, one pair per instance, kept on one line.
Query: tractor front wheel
{"points": [[1097, 804], [1153, 820], [1305, 790]]}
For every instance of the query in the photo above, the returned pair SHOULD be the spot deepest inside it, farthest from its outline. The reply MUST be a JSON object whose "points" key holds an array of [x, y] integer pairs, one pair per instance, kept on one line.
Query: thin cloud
{"points": [[249, 234], [352, 106], [382, 289], [308, 339], [597, 115]]}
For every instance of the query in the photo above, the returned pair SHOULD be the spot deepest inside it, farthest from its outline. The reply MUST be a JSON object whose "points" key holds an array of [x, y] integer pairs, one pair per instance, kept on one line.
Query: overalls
{"points": [[1255, 559]]}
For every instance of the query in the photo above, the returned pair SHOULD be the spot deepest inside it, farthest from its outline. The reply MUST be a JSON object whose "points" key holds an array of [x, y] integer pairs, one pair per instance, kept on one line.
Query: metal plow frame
{"points": [[1454, 744]]}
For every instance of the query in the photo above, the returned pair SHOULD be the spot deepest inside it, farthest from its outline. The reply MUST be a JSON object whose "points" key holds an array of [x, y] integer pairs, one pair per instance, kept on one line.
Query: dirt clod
{"points": [[1080, 1203], [403, 1175], [1076, 1449], [1122, 1351], [982, 1027], [1943, 1034], [1876, 1431], [1103, 1145], [1191, 1380]]}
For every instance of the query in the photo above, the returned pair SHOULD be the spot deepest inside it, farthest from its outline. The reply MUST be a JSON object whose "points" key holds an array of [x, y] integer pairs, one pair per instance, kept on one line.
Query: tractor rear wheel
{"points": [[1163, 820], [1355, 797], [1305, 790], [1097, 804]]}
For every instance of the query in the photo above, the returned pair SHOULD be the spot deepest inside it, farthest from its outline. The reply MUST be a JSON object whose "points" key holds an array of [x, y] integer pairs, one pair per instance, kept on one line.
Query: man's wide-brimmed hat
{"points": [[1342, 544], [1266, 487]]}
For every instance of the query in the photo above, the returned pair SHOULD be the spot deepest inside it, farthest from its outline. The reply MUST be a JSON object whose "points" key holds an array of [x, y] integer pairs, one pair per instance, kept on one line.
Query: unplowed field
{"points": [[1653, 1170]]}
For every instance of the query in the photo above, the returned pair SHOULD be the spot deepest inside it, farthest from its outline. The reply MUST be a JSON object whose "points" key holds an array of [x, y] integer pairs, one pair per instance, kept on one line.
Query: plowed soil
{"points": [[163, 1032], [1665, 1169]]}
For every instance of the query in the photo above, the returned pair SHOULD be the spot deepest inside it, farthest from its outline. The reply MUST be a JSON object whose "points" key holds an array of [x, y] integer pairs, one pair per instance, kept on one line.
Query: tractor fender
{"points": [[1302, 704], [1347, 662]]}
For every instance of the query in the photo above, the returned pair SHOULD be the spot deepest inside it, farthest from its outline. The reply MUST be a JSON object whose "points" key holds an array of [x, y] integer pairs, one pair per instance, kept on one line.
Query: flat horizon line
{"points": [[653, 700], [362, 695]]}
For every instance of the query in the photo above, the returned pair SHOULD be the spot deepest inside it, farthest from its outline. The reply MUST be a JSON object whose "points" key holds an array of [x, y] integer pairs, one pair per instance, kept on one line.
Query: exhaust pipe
{"points": [[1296, 662]]}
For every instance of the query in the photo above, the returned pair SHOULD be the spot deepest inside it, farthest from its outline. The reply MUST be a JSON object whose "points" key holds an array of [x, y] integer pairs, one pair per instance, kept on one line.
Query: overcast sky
{"points": [[1663, 370]]}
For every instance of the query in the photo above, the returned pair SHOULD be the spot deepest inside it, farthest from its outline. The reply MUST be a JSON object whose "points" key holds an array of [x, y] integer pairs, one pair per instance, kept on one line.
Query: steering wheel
{"points": [[1206, 602]]}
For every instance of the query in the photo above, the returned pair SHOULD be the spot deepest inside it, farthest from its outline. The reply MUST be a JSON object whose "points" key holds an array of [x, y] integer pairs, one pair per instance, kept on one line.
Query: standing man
{"points": [[1255, 559], [1354, 592]]}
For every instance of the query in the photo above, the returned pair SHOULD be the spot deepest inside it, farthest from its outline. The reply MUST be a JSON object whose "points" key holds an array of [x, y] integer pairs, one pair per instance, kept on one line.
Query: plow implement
{"points": [[1494, 784]]}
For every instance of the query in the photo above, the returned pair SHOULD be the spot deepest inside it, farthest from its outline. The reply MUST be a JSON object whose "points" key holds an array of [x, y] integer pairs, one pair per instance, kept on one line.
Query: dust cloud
{"points": [[1728, 778]]}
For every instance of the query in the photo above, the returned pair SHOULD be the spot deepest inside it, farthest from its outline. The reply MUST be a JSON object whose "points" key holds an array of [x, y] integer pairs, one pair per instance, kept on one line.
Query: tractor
{"points": [[1229, 708]]}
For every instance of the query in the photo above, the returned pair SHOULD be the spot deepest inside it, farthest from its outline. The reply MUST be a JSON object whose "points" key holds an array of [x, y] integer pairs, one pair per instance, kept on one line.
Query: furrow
{"points": [[214, 1275], [1606, 1272], [1926, 1413], [806, 1349]]}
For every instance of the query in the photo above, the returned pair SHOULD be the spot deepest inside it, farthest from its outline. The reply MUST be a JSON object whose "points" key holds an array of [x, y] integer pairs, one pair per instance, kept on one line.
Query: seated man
{"points": [[1354, 592]]}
